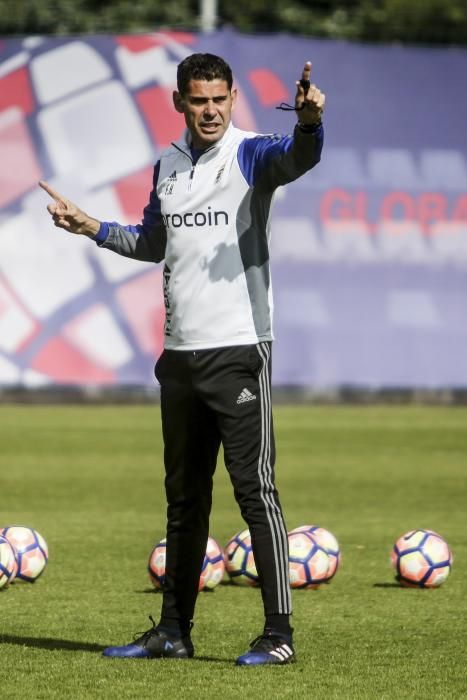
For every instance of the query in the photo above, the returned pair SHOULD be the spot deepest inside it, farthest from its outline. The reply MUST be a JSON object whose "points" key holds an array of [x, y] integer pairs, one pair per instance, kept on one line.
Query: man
{"points": [[208, 218]]}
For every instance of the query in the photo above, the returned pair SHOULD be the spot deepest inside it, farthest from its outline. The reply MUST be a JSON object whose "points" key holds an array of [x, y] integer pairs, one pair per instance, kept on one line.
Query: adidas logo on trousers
{"points": [[245, 395]]}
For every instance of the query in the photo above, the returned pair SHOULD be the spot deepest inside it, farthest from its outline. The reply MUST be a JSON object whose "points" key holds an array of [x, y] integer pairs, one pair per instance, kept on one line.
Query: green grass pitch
{"points": [[90, 479]]}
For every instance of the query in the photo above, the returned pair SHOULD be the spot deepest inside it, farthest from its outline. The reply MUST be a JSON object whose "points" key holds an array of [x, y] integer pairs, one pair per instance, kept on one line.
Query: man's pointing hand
{"points": [[67, 215]]}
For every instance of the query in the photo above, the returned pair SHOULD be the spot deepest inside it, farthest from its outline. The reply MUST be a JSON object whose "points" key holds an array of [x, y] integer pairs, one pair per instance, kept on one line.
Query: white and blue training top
{"points": [[208, 218]]}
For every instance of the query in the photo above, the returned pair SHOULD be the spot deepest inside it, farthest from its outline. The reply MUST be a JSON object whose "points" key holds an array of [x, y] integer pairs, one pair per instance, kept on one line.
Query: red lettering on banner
{"points": [[397, 209], [460, 210], [361, 206], [337, 205], [432, 207]]}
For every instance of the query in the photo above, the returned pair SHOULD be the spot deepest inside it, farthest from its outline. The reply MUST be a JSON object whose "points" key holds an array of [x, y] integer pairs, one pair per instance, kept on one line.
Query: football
{"points": [[211, 573], [31, 551], [327, 541], [156, 564], [421, 559], [213, 569], [239, 560], [309, 563], [8, 565]]}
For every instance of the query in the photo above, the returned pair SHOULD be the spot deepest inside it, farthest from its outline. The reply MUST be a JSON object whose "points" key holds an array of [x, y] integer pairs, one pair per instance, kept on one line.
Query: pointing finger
{"points": [[53, 193], [306, 71], [303, 85]]}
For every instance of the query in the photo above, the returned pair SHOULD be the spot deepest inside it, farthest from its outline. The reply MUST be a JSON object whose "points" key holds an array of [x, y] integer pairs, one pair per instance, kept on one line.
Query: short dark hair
{"points": [[202, 66]]}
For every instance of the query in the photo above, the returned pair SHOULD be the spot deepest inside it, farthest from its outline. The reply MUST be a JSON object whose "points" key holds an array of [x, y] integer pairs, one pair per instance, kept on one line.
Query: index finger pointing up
{"points": [[306, 71], [53, 193]]}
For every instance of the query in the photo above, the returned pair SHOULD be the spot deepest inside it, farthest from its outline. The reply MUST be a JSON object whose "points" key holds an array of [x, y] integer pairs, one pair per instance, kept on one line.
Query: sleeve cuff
{"points": [[102, 234], [310, 128]]}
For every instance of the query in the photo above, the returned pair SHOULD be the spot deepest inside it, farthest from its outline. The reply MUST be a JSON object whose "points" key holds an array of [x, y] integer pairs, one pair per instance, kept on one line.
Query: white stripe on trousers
{"points": [[276, 523]]}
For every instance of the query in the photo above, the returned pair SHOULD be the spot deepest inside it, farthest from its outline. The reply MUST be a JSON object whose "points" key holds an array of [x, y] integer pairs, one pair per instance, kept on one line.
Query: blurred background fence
{"points": [[369, 250]]}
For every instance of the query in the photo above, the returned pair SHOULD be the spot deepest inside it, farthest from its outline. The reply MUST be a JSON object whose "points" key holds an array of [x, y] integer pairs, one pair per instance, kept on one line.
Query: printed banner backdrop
{"points": [[369, 250]]}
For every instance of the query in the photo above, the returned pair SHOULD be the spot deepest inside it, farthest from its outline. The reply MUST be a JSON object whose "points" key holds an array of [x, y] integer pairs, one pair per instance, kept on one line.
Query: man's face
{"points": [[207, 107]]}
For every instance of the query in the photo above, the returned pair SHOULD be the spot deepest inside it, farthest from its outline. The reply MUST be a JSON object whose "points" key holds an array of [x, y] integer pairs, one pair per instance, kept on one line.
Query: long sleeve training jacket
{"points": [[209, 220]]}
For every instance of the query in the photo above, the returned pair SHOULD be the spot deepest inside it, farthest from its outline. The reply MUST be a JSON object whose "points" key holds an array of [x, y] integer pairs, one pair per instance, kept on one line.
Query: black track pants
{"points": [[209, 397]]}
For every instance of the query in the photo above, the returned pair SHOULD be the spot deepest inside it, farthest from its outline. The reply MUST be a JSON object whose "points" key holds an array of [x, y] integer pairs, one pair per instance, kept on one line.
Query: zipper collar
{"points": [[183, 145]]}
